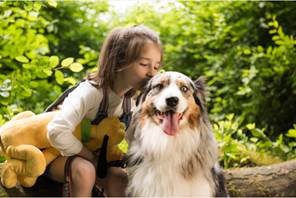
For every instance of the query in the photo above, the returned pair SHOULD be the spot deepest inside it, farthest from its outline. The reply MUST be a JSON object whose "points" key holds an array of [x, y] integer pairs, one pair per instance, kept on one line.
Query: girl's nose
{"points": [[152, 71], [149, 75]]}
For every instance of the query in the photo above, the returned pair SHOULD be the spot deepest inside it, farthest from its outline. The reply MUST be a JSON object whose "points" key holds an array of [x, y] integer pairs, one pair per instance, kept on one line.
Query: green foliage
{"points": [[76, 24], [31, 75], [248, 145]]}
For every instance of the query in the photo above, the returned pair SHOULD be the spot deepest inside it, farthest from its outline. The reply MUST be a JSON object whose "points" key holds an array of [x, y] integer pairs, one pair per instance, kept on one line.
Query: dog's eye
{"points": [[184, 89], [158, 86]]}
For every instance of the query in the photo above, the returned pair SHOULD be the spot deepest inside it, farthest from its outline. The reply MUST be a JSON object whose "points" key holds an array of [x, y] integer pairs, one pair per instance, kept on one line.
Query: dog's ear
{"points": [[200, 92], [200, 84]]}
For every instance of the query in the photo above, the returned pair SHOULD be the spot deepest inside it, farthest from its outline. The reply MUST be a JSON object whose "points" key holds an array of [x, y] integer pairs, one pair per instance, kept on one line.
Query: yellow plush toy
{"points": [[27, 150]]}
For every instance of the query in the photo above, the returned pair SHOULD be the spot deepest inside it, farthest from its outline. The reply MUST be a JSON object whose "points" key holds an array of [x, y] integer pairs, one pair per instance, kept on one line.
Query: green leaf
{"points": [[27, 66], [291, 133], [273, 31], [275, 38], [70, 80], [37, 6], [230, 116], [22, 59], [59, 76], [33, 16], [275, 24], [66, 62], [258, 133], [45, 73], [247, 51], [26, 92], [53, 61], [250, 126], [76, 67], [52, 3], [292, 144]]}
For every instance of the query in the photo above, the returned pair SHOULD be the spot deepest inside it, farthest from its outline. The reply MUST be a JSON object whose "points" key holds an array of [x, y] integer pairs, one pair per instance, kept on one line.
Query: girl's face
{"points": [[144, 68]]}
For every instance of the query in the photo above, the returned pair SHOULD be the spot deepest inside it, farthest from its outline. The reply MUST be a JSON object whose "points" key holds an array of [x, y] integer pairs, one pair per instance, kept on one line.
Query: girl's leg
{"points": [[83, 175]]}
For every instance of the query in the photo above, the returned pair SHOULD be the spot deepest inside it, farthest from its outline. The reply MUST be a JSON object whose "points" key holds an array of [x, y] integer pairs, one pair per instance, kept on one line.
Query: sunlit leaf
{"points": [[291, 133], [22, 59], [250, 126], [53, 61], [52, 3], [27, 66], [76, 67], [230, 116], [66, 62], [59, 76], [70, 80]]}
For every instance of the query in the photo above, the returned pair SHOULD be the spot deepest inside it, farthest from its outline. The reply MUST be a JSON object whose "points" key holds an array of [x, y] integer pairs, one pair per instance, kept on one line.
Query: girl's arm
{"points": [[60, 129]]}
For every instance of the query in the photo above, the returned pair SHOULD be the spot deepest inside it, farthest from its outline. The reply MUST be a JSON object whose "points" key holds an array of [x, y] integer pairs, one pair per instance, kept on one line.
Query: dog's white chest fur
{"points": [[161, 180], [159, 174]]}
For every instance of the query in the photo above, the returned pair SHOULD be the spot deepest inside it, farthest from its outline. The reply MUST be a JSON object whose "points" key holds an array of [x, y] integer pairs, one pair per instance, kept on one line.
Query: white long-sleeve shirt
{"points": [[82, 102]]}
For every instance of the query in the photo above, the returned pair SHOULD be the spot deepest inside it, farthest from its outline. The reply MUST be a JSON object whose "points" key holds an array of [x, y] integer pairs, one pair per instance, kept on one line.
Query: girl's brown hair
{"points": [[121, 48]]}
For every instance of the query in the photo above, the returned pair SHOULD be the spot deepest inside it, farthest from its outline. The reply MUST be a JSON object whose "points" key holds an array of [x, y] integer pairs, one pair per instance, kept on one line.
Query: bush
{"points": [[248, 145]]}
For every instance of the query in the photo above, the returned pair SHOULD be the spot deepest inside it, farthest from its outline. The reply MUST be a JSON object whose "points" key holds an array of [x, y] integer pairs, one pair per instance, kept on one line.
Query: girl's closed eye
{"points": [[144, 64]]}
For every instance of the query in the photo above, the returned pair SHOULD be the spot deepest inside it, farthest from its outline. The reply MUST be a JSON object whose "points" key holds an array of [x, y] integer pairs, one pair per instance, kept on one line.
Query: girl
{"points": [[129, 57]]}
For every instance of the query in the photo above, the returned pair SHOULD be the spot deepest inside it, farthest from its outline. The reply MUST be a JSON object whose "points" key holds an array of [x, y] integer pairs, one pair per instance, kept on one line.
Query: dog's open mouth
{"points": [[169, 121]]}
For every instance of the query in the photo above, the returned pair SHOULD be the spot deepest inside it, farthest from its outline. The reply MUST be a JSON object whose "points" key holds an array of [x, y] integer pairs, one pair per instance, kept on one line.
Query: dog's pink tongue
{"points": [[170, 123]]}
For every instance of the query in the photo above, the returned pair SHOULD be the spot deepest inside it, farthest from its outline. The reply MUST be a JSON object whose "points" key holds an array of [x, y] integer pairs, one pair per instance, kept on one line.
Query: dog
{"points": [[172, 150]]}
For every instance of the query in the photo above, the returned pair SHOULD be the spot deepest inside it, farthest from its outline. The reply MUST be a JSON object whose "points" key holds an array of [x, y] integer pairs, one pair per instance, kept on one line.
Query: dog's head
{"points": [[172, 100]]}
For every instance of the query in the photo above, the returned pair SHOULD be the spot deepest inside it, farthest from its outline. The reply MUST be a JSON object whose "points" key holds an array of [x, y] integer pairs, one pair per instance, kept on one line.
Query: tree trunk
{"points": [[274, 180]]}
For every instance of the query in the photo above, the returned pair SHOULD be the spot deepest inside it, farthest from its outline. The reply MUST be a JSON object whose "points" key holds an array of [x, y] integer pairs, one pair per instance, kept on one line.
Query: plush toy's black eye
{"points": [[184, 89], [158, 87]]}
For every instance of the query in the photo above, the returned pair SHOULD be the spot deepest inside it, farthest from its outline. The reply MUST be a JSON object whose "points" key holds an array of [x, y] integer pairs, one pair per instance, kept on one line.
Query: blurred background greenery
{"points": [[245, 50]]}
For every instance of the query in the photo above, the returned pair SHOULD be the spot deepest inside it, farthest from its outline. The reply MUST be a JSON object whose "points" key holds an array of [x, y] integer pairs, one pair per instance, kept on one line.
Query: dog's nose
{"points": [[172, 101]]}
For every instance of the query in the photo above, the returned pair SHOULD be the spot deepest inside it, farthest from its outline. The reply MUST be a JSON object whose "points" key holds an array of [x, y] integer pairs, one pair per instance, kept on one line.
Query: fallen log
{"points": [[273, 180]]}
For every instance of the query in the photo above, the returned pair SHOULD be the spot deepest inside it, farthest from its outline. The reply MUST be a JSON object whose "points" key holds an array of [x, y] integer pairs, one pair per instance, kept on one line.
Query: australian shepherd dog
{"points": [[172, 151]]}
